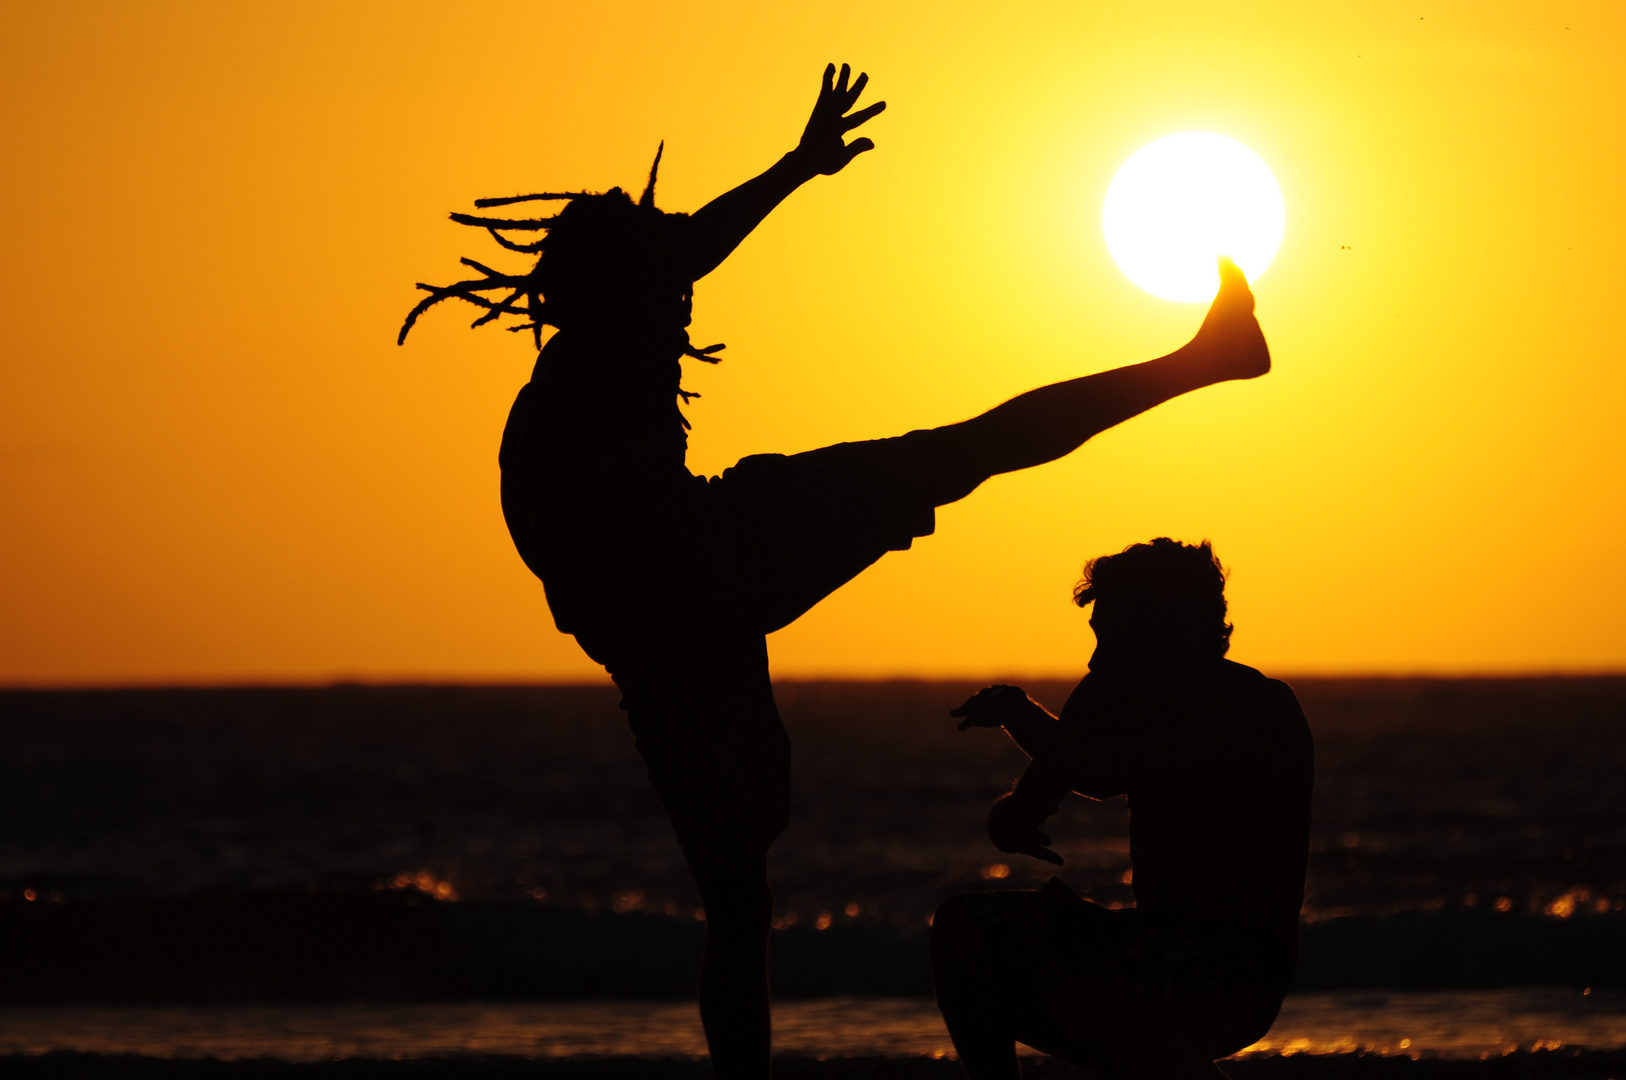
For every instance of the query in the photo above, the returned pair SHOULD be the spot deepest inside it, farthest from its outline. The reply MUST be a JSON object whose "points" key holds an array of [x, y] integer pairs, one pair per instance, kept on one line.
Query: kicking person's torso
{"points": [[634, 548], [596, 493], [629, 545]]}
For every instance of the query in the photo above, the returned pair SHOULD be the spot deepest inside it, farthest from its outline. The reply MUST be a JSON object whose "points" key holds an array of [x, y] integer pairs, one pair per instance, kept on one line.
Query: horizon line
{"points": [[519, 681]]}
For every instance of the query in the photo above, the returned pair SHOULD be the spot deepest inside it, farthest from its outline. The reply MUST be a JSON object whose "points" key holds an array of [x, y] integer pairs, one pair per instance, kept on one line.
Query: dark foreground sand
{"points": [[1570, 1064]]}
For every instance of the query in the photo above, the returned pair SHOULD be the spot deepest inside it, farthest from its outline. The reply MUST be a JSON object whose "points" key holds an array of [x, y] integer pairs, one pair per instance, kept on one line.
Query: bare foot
{"points": [[1229, 344]]}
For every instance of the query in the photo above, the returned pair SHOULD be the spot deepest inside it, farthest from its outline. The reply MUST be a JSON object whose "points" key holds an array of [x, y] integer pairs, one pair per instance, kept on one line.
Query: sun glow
{"points": [[1180, 202]]}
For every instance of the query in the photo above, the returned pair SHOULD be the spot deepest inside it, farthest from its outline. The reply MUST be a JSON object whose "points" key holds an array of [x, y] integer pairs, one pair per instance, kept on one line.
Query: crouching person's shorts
{"points": [[1013, 949]]}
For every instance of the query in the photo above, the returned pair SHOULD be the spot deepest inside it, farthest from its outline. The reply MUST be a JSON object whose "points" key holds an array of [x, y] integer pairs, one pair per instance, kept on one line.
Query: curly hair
{"points": [[602, 261], [1165, 589]]}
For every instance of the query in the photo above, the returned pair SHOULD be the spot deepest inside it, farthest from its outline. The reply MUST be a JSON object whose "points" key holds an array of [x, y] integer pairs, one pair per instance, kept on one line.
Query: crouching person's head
{"points": [[1158, 603]]}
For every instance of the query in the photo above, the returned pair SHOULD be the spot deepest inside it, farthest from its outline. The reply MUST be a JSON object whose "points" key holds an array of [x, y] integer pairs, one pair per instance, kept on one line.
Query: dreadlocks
{"points": [[602, 255]]}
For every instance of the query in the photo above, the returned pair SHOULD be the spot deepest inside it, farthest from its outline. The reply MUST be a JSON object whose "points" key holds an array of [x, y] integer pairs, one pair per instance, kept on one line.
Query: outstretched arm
{"points": [[1029, 724], [721, 224]]}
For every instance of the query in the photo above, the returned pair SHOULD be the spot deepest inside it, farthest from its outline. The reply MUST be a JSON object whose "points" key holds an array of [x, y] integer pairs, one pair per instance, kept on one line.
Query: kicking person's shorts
{"points": [[756, 548], [717, 752], [1020, 946], [798, 527]]}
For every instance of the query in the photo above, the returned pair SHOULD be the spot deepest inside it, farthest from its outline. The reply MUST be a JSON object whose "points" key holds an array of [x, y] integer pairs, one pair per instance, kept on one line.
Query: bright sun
{"points": [[1180, 202]]}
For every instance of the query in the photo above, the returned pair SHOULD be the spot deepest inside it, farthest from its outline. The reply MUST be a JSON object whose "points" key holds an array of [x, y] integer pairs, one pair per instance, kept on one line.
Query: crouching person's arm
{"points": [[1027, 722], [1015, 821]]}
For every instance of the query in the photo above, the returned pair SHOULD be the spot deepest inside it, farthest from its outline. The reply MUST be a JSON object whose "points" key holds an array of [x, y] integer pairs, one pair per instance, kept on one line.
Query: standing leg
{"points": [[719, 757], [734, 997]]}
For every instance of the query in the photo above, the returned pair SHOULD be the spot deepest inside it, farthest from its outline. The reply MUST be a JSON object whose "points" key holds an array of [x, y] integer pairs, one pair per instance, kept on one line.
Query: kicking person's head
{"points": [[605, 264], [611, 264], [1160, 602]]}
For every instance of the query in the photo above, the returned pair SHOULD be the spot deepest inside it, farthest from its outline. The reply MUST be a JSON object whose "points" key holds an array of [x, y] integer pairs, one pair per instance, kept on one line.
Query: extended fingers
{"points": [[1044, 853], [858, 146], [836, 85], [973, 713], [850, 122], [976, 710], [1038, 846]]}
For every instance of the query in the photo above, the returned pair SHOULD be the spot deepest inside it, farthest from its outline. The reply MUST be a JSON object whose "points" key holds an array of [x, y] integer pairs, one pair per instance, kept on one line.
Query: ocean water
{"points": [[467, 866], [1429, 794]]}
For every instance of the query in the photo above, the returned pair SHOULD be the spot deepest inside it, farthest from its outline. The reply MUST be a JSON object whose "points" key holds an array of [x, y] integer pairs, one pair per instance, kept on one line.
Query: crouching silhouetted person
{"points": [[1217, 763]]}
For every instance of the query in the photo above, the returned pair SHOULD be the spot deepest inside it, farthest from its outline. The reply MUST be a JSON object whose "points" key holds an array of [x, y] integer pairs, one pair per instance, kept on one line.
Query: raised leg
{"points": [[1053, 421]]}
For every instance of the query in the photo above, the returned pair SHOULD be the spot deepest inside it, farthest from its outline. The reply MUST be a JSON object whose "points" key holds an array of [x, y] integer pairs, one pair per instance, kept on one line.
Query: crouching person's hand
{"points": [[1014, 826], [992, 707]]}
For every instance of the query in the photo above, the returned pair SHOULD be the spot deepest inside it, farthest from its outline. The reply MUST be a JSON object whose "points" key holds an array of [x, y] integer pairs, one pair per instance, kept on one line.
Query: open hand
{"points": [[1013, 826], [823, 148], [991, 707]]}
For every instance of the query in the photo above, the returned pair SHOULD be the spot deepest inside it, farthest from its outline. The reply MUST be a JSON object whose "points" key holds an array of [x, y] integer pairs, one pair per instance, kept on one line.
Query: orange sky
{"points": [[215, 464]]}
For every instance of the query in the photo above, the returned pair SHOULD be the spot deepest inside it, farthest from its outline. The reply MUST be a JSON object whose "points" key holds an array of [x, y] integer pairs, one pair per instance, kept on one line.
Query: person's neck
{"points": [[597, 351], [629, 332], [1149, 665]]}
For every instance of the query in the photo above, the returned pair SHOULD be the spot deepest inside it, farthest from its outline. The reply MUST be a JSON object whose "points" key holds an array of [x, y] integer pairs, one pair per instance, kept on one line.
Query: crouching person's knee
{"points": [[954, 922], [961, 943]]}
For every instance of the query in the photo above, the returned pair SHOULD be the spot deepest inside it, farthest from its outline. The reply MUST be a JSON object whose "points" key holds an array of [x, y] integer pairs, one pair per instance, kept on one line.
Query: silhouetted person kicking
{"points": [[1217, 763], [672, 581]]}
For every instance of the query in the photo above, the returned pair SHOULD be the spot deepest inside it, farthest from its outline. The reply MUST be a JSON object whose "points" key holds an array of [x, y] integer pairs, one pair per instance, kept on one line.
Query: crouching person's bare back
{"points": [[1217, 764]]}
